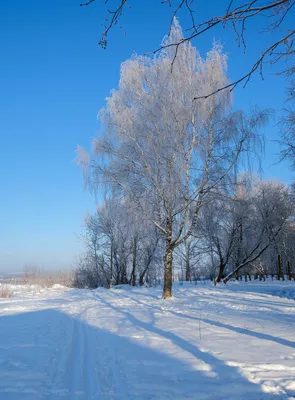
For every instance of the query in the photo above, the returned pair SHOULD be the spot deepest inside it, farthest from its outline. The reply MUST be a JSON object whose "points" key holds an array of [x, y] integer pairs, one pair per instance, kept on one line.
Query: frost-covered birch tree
{"points": [[163, 149]]}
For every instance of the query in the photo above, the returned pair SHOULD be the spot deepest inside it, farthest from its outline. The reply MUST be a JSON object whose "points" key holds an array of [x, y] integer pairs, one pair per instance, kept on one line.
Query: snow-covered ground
{"points": [[230, 342]]}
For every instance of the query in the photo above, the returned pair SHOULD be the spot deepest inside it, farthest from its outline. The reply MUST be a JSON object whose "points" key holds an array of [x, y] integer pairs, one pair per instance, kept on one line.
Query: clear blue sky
{"points": [[53, 80]]}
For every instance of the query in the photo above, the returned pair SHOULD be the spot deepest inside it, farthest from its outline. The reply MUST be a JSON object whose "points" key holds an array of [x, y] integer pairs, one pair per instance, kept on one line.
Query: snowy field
{"points": [[230, 342]]}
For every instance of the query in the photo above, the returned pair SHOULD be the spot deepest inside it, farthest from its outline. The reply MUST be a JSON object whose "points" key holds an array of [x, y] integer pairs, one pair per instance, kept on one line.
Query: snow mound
{"points": [[57, 286]]}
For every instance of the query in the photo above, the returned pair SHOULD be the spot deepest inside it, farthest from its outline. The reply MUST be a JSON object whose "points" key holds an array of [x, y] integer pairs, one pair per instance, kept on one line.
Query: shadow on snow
{"points": [[50, 355]]}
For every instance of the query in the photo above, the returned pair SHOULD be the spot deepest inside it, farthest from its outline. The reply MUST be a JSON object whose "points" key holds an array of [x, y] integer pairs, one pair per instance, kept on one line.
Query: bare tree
{"points": [[164, 150], [241, 226], [267, 218], [220, 226], [119, 248]]}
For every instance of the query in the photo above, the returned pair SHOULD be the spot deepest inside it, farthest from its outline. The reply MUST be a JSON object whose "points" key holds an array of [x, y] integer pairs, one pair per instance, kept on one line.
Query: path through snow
{"points": [[235, 342]]}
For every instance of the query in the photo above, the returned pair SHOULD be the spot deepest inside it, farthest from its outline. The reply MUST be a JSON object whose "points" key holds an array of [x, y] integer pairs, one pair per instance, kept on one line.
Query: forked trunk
{"points": [[141, 281], [141, 276], [220, 273]]}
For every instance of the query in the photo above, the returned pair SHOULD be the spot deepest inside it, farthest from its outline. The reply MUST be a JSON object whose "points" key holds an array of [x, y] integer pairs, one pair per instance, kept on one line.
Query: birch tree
{"points": [[163, 149]]}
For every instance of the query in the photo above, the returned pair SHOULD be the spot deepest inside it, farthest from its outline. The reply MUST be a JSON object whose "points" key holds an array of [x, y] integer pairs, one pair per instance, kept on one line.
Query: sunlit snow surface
{"points": [[231, 342]]}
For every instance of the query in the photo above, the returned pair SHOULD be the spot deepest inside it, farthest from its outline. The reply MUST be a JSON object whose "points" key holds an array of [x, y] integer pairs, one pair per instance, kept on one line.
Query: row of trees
{"points": [[120, 248], [239, 231], [170, 165]]}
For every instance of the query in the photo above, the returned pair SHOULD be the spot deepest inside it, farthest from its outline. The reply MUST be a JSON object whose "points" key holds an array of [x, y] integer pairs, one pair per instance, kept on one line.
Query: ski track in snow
{"points": [[233, 342]]}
